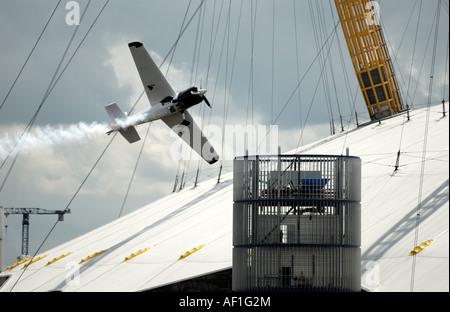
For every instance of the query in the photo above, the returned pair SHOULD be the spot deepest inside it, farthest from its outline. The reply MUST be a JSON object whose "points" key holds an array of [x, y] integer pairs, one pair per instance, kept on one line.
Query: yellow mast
{"points": [[370, 57]]}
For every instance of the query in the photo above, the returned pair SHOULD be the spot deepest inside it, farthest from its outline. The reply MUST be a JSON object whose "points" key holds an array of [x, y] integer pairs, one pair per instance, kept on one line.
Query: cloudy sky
{"points": [[250, 55]]}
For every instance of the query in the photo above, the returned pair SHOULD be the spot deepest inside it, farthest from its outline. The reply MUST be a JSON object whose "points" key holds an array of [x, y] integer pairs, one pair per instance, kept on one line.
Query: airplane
{"points": [[165, 105]]}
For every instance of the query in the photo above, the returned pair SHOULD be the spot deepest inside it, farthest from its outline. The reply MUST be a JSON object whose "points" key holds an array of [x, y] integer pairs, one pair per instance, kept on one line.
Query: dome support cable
{"points": [[424, 150]]}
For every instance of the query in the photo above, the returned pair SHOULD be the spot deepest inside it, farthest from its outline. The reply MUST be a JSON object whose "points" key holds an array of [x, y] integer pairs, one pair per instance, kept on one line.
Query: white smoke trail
{"points": [[132, 120], [49, 136]]}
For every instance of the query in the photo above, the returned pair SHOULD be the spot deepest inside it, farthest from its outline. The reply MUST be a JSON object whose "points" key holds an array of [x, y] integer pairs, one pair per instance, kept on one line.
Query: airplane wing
{"points": [[155, 84], [194, 137], [158, 88]]}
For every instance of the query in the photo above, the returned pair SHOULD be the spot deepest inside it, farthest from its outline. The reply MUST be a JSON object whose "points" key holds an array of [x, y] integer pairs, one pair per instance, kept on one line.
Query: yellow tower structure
{"points": [[370, 57]]}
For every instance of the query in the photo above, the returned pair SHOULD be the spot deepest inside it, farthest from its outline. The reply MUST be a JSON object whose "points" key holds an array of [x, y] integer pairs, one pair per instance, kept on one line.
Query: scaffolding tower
{"points": [[297, 223]]}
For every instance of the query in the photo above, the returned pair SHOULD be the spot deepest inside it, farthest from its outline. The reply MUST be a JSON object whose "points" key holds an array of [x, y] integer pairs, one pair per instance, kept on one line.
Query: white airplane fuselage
{"points": [[168, 106]]}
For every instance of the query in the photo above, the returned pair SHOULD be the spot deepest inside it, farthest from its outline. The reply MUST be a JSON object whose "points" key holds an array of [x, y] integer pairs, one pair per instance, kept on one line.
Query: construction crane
{"points": [[370, 57], [25, 212]]}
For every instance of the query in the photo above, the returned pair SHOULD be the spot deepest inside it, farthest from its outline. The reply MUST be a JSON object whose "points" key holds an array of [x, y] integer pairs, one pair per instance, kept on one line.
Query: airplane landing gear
{"points": [[185, 122]]}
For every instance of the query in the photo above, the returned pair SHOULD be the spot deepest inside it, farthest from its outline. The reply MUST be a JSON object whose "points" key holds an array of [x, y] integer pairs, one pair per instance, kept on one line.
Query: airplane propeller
{"points": [[201, 93], [206, 101]]}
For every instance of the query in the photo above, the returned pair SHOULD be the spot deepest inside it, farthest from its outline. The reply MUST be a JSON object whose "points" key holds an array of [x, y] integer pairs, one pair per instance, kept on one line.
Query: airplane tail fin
{"points": [[115, 112]]}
